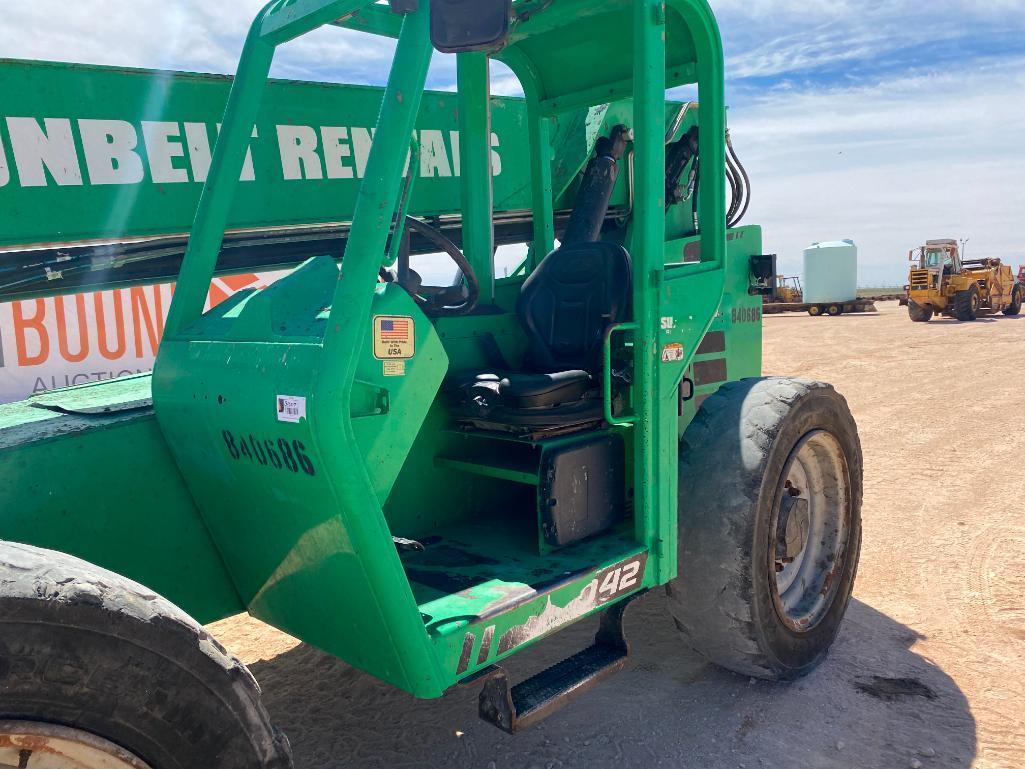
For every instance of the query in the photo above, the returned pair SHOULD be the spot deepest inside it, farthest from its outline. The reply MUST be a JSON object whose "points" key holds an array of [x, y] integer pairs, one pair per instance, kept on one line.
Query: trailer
{"points": [[816, 310]]}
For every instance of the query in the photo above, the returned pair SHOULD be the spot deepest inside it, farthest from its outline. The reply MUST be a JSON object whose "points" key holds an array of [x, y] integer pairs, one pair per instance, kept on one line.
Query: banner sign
{"points": [[69, 340]]}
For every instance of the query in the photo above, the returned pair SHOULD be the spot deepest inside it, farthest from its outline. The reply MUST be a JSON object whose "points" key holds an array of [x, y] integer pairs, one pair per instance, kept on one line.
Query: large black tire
{"points": [[85, 648], [732, 460], [966, 304], [1015, 306], [919, 314], [834, 309]]}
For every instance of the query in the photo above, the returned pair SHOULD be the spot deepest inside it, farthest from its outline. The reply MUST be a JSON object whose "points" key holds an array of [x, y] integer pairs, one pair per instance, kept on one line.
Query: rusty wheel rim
{"points": [[37, 745], [810, 531]]}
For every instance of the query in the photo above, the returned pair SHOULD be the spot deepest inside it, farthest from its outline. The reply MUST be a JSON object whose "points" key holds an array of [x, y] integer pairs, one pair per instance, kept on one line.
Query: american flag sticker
{"points": [[394, 337]]}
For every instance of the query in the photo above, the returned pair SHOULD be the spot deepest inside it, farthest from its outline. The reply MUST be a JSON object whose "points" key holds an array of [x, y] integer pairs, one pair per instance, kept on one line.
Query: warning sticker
{"points": [[672, 353], [291, 408], [394, 337], [395, 368]]}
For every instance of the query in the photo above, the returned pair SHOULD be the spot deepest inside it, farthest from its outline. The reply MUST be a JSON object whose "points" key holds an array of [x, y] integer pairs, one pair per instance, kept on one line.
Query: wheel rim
{"points": [[975, 302], [35, 745], [810, 530]]}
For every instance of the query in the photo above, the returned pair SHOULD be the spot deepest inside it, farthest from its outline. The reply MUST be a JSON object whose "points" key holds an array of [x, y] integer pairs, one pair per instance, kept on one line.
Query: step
{"points": [[518, 707]]}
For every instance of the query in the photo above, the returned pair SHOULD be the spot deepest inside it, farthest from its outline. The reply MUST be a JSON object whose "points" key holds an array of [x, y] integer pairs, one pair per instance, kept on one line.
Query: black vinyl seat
{"points": [[569, 300], [527, 391], [565, 307]]}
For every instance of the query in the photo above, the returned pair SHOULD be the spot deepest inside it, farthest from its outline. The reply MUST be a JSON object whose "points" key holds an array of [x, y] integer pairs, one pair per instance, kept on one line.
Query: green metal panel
{"points": [[79, 475], [732, 346], [477, 189], [582, 54], [474, 631], [655, 459], [310, 549]]}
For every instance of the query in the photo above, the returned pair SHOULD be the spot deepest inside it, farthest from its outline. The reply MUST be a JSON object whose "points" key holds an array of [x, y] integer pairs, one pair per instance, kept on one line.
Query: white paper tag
{"points": [[291, 408], [672, 353]]}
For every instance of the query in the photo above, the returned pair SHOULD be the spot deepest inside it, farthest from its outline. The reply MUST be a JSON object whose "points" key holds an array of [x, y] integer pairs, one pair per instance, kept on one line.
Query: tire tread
{"points": [[45, 587], [717, 619]]}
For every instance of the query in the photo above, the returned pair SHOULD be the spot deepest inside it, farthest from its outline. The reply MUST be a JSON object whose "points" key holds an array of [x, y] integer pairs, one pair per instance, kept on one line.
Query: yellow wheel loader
{"points": [[942, 282]]}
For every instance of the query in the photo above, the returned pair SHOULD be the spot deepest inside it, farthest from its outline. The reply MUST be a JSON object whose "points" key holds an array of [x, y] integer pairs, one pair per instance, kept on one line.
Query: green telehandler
{"points": [[420, 479]]}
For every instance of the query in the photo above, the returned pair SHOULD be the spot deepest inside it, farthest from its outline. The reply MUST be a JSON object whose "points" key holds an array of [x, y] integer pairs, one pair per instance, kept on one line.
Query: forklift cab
{"points": [[564, 308], [456, 471]]}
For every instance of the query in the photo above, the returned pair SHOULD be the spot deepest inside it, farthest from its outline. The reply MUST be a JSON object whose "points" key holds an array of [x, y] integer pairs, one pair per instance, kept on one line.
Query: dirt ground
{"points": [[928, 668]]}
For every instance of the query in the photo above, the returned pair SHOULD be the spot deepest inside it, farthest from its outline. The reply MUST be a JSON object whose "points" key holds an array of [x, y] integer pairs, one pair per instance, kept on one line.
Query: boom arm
{"points": [[298, 190]]}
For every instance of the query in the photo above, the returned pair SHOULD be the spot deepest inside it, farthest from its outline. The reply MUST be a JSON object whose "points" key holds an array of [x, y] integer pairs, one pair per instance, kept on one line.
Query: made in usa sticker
{"points": [[394, 337]]}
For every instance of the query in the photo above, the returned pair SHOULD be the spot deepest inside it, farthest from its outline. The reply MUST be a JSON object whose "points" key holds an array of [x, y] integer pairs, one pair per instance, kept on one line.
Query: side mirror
{"points": [[763, 267], [764, 274], [458, 26]]}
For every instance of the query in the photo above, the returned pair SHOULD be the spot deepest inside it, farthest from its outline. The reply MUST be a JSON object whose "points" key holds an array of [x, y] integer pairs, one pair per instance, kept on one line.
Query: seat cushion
{"points": [[535, 390], [489, 389], [568, 302]]}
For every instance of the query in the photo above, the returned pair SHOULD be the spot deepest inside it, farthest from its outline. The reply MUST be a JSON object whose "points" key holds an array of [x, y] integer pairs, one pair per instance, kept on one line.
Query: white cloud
{"points": [[185, 35], [779, 37], [890, 165], [142, 33]]}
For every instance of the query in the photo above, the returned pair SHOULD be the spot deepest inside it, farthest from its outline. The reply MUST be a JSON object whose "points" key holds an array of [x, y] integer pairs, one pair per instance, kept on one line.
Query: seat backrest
{"points": [[566, 304]]}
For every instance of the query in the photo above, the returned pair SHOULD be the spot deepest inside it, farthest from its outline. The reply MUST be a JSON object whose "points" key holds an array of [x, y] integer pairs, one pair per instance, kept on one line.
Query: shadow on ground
{"points": [[873, 704]]}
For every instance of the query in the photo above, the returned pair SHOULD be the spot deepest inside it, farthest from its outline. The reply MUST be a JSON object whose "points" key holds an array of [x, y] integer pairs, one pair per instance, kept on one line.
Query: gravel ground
{"points": [[927, 671]]}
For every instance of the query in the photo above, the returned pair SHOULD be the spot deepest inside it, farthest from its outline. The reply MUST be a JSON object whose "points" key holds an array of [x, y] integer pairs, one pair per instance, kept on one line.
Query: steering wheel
{"points": [[436, 301]]}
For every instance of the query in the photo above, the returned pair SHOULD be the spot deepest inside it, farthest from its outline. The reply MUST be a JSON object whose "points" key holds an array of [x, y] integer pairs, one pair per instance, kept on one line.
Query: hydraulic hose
{"points": [[736, 189], [745, 185], [683, 152]]}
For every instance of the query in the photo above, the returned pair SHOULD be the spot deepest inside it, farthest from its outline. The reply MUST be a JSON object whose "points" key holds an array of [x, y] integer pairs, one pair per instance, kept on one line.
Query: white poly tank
{"points": [[831, 272]]}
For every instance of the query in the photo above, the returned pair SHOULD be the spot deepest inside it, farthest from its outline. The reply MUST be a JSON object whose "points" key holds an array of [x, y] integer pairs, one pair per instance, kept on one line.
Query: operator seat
{"points": [[564, 307]]}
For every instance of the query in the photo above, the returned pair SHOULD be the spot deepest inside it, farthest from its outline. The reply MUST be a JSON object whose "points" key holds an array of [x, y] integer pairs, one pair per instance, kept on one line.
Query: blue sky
{"points": [[885, 122]]}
